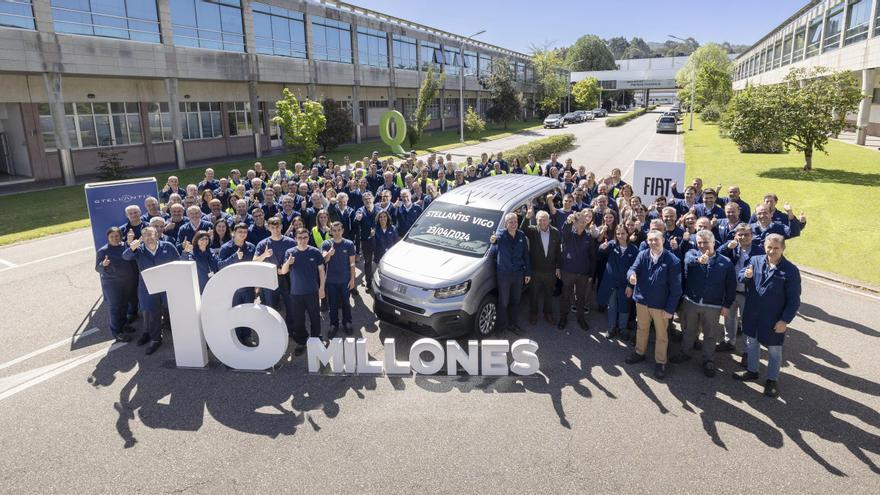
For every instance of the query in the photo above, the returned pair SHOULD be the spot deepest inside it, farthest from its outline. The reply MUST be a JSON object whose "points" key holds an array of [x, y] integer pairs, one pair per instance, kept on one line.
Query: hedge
{"points": [[623, 119], [541, 148]]}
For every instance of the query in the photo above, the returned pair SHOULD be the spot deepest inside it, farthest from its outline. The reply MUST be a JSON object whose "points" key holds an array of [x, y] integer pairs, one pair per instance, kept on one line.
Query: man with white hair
{"points": [[544, 256], [196, 223], [134, 224], [209, 182], [407, 212]]}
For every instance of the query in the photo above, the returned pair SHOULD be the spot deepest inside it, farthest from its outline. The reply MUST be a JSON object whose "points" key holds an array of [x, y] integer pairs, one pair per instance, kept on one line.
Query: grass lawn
{"points": [[36, 214], [838, 196]]}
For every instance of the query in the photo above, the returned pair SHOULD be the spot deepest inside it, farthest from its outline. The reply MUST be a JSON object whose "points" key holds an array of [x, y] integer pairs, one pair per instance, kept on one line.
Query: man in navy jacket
{"points": [[235, 251], [709, 291], [739, 251], [773, 296], [708, 208], [196, 223], [511, 250], [725, 229], [407, 212], [656, 275], [745, 210], [764, 225]]}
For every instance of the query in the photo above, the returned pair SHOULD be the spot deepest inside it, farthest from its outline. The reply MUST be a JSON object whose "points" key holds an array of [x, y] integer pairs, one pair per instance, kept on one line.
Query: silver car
{"points": [[667, 123], [439, 280]]}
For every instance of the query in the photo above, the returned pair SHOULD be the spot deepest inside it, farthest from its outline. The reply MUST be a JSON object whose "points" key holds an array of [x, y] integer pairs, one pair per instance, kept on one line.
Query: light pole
{"points": [[461, 87], [693, 83]]}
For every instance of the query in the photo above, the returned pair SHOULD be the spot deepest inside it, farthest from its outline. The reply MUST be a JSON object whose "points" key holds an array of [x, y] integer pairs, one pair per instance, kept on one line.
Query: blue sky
{"points": [[517, 24]]}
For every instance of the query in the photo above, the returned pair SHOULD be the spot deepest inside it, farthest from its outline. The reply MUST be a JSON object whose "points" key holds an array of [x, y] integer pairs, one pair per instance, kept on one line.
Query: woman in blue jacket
{"points": [[614, 290], [385, 235], [200, 252], [119, 280]]}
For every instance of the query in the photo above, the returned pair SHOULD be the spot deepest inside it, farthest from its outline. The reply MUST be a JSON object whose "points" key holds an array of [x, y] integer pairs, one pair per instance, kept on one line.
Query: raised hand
{"points": [[633, 280], [239, 254], [135, 244], [106, 262], [803, 217], [673, 243], [750, 272], [732, 244], [493, 239], [187, 247], [704, 259], [331, 251], [787, 207]]}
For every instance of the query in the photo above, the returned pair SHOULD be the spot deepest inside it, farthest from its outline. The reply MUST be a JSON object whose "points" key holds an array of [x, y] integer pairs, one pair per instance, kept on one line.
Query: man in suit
{"points": [[545, 245]]}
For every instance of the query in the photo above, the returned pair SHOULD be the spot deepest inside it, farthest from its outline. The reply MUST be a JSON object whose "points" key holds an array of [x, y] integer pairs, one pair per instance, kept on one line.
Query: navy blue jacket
{"points": [[658, 285], [228, 253], [759, 234], [778, 216], [511, 253], [771, 296], [704, 211], [165, 253], [681, 207], [724, 231], [384, 239], [121, 272], [745, 212], [187, 231], [406, 218], [578, 254], [278, 248], [257, 234], [619, 261], [712, 284], [206, 264]]}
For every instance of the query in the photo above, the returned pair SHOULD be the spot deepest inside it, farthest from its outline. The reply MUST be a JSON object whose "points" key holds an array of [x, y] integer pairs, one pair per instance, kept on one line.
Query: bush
{"points": [[711, 113], [623, 119], [473, 124], [339, 126], [110, 166], [761, 145], [541, 148]]}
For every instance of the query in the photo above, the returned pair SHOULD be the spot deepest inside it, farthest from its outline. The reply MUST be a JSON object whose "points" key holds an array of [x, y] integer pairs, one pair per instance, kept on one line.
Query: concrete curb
{"points": [[840, 280]]}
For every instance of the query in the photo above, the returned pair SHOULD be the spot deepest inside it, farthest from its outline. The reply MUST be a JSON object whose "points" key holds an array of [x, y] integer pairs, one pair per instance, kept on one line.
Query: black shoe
{"points": [[745, 376], [630, 325], [739, 329], [122, 337], [131, 318], [299, 349], [145, 337], [634, 358], [614, 332], [601, 309], [563, 320], [347, 329], [698, 345], [353, 292], [153, 347], [725, 347], [659, 371], [334, 329], [679, 358], [770, 389], [675, 336], [584, 325], [128, 329], [709, 369]]}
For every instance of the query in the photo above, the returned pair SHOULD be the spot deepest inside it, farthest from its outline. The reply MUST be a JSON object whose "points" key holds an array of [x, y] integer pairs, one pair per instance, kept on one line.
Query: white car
{"points": [[554, 120]]}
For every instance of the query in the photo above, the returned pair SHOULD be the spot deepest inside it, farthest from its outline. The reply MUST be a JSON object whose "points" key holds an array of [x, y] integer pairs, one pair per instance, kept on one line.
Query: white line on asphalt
{"points": [[71, 364], [839, 287], [59, 255], [47, 348], [7, 263]]}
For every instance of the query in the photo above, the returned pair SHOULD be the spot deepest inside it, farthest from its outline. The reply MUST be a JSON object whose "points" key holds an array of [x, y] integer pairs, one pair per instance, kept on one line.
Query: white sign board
{"points": [[652, 179]]}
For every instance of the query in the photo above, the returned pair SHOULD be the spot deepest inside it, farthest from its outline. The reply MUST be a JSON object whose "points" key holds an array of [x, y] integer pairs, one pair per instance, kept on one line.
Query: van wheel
{"points": [[484, 320]]}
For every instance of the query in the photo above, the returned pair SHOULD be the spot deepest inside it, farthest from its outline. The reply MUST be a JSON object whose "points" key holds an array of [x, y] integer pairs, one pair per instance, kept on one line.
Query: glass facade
{"points": [[279, 31], [372, 47], [201, 120], [17, 13], [238, 114], [91, 125], [404, 49], [470, 63], [332, 40], [858, 18], [160, 122], [213, 24], [453, 60], [833, 28], [485, 64], [814, 37], [136, 20], [800, 40], [432, 56]]}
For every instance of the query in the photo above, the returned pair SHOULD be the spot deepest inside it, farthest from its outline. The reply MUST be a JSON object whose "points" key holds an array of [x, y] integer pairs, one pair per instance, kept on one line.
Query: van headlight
{"points": [[452, 290]]}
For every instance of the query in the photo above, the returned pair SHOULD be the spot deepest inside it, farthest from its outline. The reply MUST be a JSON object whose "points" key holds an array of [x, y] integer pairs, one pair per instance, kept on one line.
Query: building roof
{"points": [[792, 18]]}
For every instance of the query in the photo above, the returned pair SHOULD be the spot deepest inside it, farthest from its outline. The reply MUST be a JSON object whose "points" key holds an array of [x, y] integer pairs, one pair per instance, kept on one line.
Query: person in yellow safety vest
{"points": [[532, 168], [321, 231], [281, 173], [496, 169]]}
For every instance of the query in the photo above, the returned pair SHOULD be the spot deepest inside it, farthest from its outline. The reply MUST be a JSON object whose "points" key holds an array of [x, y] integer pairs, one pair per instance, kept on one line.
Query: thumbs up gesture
{"points": [[187, 246], [787, 207], [750, 272], [332, 251], [266, 254], [704, 259], [673, 243], [493, 238], [240, 254], [106, 262], [803, 217]]}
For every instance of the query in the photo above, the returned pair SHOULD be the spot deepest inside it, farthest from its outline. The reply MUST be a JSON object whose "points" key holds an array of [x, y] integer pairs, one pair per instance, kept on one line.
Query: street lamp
{"points": [[693, 82], [461, 87]]}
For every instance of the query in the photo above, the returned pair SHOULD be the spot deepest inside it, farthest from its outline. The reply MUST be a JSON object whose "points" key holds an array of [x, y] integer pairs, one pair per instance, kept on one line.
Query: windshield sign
{"points": [[456, 228]]}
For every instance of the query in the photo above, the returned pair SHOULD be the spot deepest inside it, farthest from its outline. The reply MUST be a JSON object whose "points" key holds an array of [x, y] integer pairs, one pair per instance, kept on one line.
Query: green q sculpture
{"points": [[385, 130]]}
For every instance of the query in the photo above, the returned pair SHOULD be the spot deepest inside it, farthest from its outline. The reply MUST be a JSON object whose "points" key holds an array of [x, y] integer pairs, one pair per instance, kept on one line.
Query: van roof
{"points": [[501, 192]]}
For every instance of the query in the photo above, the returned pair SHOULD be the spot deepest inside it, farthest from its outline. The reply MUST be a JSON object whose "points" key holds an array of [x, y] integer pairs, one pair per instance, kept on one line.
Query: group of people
{"points": [[704, 256]]}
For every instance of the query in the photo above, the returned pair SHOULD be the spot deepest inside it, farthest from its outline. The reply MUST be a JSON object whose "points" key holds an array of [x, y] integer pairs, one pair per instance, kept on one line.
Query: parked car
{"points": [[667, 123], [588, 115], [554, 120], [455, 293], [583, 115], [600, 112], [622, 108], [571, 118]]}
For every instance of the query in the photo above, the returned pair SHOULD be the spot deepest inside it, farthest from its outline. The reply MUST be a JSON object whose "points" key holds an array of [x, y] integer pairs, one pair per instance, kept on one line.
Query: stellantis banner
{"points": [[107, 201], [652, 179], [195, 331]]}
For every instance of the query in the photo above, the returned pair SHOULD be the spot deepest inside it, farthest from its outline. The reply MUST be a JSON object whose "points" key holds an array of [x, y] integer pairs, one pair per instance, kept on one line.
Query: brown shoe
{"points": [[549, 318], [533, 319]]}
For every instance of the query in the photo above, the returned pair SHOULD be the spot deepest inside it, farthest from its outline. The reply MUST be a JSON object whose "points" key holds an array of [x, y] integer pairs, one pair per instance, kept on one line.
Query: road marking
{"points": [[53, 371], [7, 263], [46, 259], [839, 287], [47, 348]]}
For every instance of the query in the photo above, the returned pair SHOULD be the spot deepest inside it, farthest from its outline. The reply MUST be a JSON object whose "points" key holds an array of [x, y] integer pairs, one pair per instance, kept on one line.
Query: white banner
{"points": [[652, 179]]}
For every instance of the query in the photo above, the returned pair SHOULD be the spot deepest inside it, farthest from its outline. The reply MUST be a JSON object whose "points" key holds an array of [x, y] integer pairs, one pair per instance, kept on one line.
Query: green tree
{"points": [[427, 94], [586, 92], [618, 45], [506, 100], [714, 77], [110, 165], [551, 77], [473, 124], [301, 126], [588, 53], [679, 48], [801, 112], [339, 126]]}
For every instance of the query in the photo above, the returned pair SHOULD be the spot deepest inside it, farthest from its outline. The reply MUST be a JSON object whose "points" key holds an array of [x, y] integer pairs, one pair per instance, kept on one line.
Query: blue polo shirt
{"points": [[304, 276], [338, 269]]}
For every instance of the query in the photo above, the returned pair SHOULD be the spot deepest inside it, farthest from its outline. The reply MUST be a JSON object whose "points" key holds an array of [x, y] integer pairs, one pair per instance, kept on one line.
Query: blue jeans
{"points": [[753, 349], [616, 317], [338, 298]]}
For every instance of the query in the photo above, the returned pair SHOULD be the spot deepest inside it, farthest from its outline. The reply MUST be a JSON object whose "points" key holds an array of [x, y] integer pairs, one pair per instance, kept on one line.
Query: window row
{"points": [[842, 24]]}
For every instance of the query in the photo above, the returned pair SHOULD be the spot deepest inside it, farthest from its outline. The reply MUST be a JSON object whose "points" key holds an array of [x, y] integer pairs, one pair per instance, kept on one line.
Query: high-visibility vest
{"points": [[318, 237], [500, 172], [532, 171], [399, 180]]}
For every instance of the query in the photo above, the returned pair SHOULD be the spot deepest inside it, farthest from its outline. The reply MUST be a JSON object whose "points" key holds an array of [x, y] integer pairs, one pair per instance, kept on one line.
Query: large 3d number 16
{"points": [[196, 330]]}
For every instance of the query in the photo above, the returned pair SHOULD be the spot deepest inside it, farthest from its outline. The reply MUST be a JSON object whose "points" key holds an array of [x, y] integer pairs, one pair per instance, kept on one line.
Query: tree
{"points": [[473, 124], [301, 126], [618, 45], [638, 49], [586, 92], [678, 48], [339, 126], [427, 94], [714, 77], [801, 112], [551, 78], [590, 53], [110, 165], [506, 100]]}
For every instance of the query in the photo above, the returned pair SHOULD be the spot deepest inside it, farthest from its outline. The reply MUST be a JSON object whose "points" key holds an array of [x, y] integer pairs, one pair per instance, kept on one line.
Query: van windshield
{"points": [[456, 228]]}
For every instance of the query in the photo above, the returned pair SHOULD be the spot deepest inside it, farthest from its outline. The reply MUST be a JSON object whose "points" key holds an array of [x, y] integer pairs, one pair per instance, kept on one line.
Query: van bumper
{"points": [[447, 324]]}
